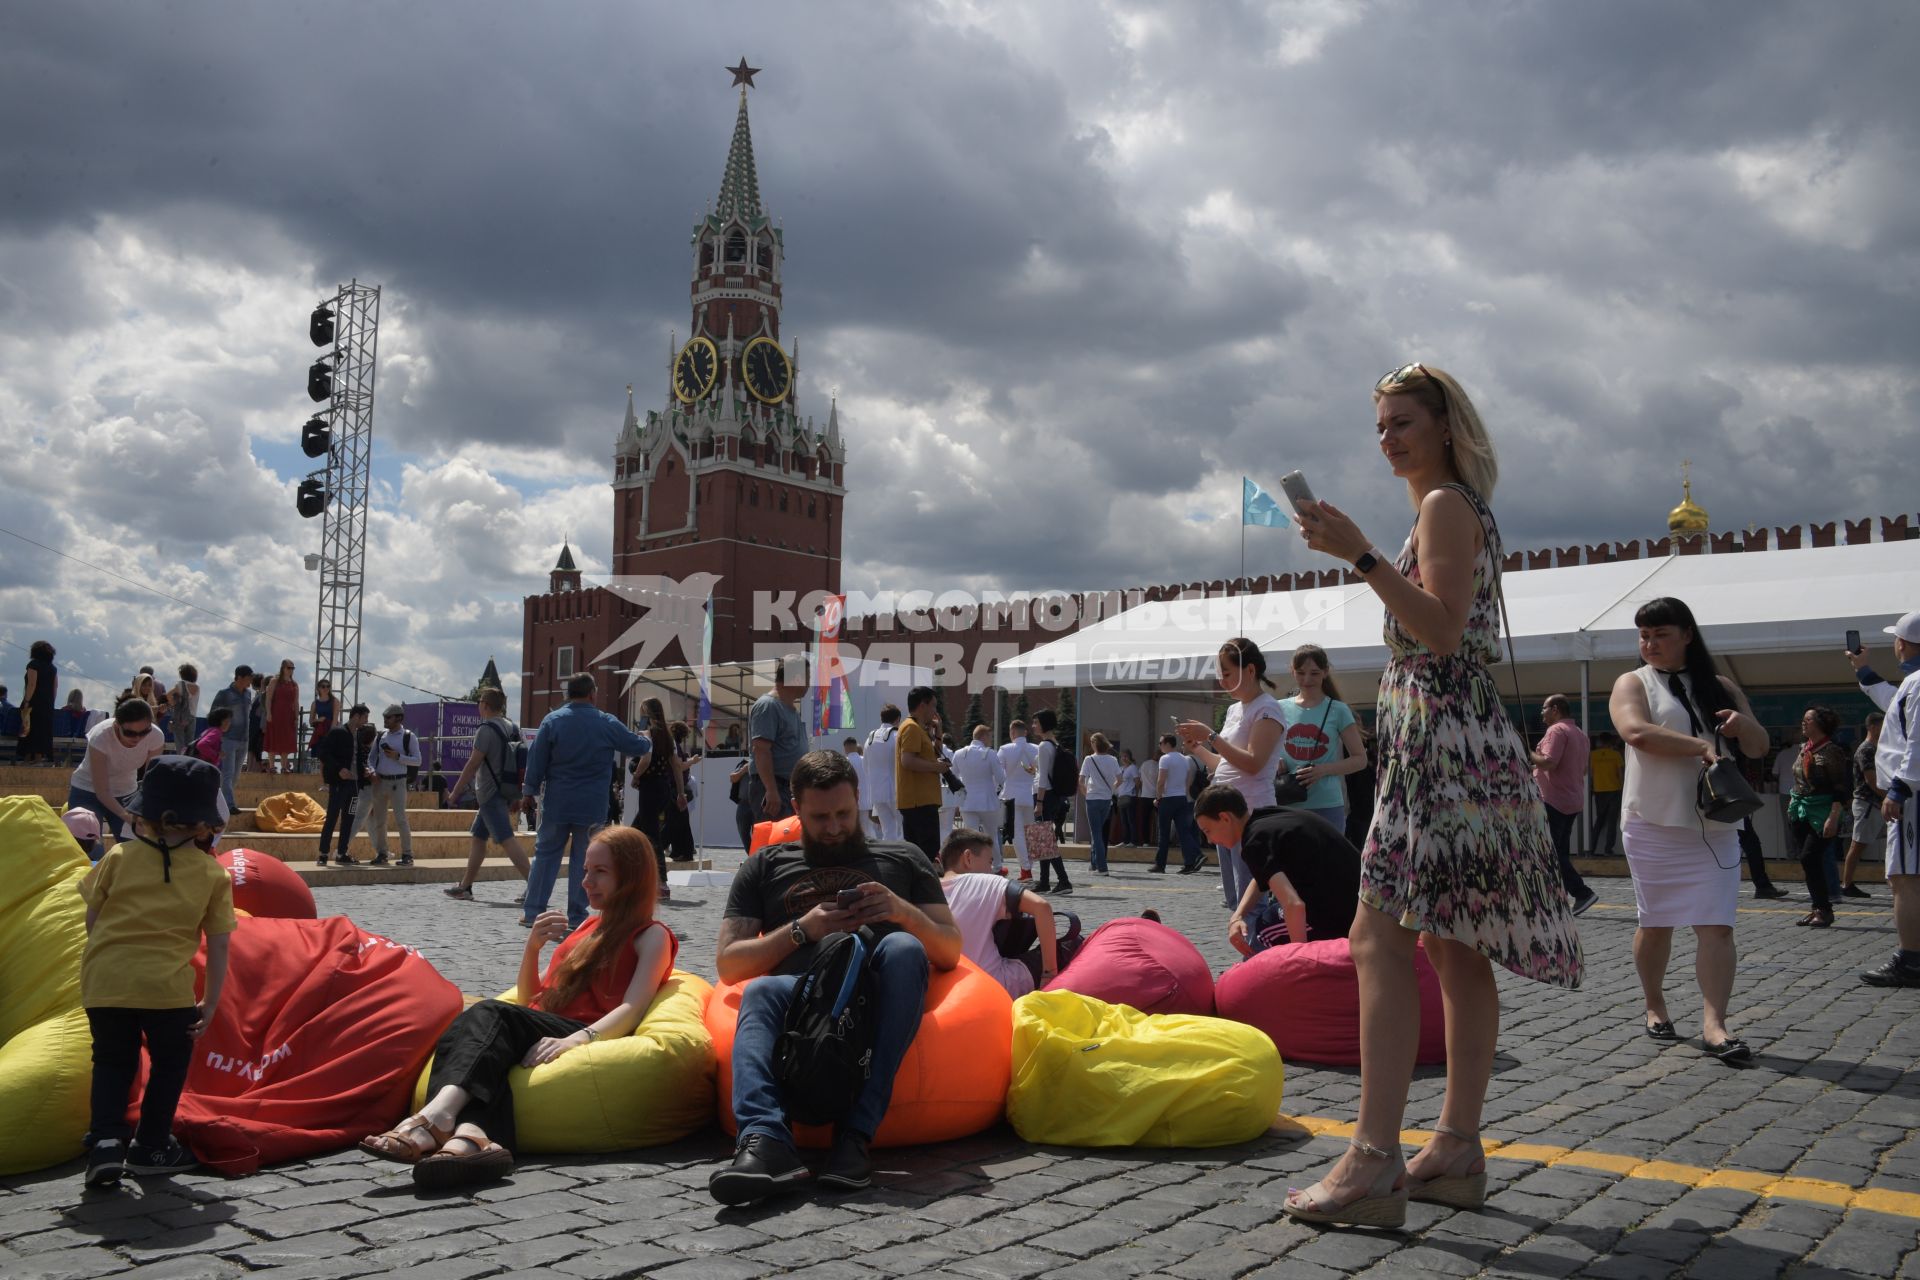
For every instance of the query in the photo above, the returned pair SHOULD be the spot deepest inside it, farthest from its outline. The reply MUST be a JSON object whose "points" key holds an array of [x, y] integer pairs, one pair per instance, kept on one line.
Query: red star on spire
{"points": [[744, 74]]}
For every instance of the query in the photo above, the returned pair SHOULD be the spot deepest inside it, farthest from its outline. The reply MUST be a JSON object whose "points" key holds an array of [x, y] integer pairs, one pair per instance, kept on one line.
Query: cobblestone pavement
{"points": [[1827, 1112]]}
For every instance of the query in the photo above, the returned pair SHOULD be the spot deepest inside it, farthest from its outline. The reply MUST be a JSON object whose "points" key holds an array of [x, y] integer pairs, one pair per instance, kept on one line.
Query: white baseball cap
{"points": [[1908, 628]]}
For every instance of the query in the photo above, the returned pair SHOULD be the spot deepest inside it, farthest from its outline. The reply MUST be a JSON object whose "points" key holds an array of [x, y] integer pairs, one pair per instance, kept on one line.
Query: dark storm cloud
{"points": [[1063, 266]]}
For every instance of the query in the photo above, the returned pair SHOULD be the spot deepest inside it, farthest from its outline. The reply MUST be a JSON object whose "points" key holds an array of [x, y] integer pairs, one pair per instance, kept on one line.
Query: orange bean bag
{"points": [[953, 1081], [1307, 998], [290, 813], [265, 886], [785, 831]]}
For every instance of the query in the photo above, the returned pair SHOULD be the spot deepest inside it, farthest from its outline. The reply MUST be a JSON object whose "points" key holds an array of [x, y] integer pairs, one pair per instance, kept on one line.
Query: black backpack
{"points": [[1065, 778], [507, 785], [825, 1051]]}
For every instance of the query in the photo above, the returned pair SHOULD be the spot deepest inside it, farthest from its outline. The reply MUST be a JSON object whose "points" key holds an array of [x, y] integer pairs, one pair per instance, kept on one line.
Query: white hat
{"points": [[1908, 628]]}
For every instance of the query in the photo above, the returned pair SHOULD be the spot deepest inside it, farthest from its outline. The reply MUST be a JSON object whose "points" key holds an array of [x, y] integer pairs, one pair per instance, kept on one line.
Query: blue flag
{"points": [[1258, 507]]}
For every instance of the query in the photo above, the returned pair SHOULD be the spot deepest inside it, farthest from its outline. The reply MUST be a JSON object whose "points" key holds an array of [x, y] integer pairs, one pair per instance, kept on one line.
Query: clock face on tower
{"points": [[694, 369], [768, 372]]}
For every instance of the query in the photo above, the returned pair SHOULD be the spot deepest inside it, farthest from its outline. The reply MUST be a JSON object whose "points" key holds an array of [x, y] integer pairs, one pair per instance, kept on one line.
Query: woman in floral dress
{"points": [[1458, 855]]}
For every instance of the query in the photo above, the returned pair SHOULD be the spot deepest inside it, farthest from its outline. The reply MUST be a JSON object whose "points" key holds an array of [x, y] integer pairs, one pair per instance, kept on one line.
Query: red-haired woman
{"points": [[599, 983]]}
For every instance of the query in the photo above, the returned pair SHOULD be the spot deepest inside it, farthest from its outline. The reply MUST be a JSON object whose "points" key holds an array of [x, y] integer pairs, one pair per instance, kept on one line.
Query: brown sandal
{"points": [[445, 1169], [396, 1144]]}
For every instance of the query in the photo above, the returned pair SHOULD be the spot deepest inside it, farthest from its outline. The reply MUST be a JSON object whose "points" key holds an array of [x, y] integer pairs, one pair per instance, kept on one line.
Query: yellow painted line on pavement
{"points": [[1838, 1195]]}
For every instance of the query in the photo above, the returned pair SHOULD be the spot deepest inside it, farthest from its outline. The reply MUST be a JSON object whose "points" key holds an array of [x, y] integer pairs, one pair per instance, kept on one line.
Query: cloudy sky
{"points": [[1073, 267]]}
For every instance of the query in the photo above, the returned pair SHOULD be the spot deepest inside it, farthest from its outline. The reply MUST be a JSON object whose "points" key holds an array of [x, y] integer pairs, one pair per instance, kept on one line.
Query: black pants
{"points": [[116, 1061], [655, 805], [1560, 826], [340, 800], [477, 1051], [1756, 859], [920, 825], [1806, 843], [679, 832]]}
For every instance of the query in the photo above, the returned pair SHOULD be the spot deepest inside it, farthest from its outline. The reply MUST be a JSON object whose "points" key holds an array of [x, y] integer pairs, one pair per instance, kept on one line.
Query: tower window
{"points": [[812, 511], [765, 257], [706, 253], [737, 247], [753, 496], [783, 502], [563, 662]]}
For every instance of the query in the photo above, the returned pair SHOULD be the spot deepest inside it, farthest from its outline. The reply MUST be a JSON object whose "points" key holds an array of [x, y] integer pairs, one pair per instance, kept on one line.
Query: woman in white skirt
{"points": [[1675, 713]]}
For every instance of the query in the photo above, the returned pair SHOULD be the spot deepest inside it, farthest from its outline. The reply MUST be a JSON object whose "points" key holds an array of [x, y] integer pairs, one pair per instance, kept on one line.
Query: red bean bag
{"points": [[1141, 963], [785, 831], [1307, 998], [953, 1081], [265, 886], [320, 1034]]}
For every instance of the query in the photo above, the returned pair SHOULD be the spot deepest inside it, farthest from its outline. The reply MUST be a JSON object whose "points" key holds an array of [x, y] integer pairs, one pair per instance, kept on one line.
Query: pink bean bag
{"points": [[1307, 998], [265, 886], [1141, 963]]}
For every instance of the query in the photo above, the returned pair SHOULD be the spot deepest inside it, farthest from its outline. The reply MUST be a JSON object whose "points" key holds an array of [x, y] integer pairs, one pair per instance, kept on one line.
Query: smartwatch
{"points": [[799, 934], [1367, 562]]}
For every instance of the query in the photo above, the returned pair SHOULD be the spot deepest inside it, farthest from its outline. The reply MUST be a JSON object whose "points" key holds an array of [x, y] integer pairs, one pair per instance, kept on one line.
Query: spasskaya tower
{"points": [[726, 478]]}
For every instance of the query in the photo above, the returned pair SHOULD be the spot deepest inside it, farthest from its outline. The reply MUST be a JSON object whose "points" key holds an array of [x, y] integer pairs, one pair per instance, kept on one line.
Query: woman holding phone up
{"points": [[1458, 850]]}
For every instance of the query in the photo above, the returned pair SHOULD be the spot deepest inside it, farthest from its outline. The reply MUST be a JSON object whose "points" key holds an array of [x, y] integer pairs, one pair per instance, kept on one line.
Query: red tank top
{"points": [[610, 984]]}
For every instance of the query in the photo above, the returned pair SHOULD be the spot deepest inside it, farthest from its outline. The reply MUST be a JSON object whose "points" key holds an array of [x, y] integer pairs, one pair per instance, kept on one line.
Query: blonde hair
{"points": [[1100, 744], [1472, 454]]}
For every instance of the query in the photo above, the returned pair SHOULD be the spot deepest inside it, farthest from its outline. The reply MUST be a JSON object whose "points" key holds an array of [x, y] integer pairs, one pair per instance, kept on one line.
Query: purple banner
{"points": [[445, 730]]}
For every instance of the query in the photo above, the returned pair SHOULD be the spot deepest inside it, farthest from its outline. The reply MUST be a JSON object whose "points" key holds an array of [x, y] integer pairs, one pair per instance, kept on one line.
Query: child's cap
{"points": [[180, 791], [84, 825]]}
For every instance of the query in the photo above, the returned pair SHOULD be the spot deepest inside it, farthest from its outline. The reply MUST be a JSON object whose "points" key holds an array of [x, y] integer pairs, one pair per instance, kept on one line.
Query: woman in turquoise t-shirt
{"points": [[1322, 741]]}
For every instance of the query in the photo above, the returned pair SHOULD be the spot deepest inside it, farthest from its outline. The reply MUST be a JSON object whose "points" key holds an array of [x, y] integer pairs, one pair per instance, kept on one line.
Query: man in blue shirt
{"points": [[569, 765], [237, 697], [777, 739]]}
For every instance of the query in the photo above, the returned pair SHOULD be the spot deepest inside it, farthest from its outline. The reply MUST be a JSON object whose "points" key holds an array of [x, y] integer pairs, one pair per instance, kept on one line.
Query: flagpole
{"points": [[1243, 568]]}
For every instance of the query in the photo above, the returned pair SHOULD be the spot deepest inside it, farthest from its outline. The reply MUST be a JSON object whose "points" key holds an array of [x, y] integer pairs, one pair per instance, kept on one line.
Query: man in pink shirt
{"points": [[1560, 771]]}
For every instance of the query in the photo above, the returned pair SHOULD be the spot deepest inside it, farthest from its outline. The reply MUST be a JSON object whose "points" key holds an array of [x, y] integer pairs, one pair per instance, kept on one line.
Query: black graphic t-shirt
{"points": [[778, 885], [1315, 856]]}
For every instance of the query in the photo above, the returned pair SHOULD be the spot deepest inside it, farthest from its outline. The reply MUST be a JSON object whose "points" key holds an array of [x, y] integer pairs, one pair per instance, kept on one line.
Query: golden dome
{"points": [[1688, 517]]}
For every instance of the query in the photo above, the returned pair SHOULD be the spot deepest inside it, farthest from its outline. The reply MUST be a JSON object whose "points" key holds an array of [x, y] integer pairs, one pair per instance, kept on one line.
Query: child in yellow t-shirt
{"points": [[149, 901]]}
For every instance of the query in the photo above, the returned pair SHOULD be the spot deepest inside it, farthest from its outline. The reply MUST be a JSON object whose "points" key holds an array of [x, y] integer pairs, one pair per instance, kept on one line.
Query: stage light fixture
{"points": [[320, 326], [316, 437], [319, 380], [311, 498]]}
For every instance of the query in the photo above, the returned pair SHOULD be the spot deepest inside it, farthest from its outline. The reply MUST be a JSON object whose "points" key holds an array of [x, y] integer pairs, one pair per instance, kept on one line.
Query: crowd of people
{"points": [[1466, 852]]}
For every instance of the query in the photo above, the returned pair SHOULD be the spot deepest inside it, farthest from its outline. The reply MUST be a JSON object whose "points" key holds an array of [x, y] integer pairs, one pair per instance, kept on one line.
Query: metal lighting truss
{"points": [[343, 532]]}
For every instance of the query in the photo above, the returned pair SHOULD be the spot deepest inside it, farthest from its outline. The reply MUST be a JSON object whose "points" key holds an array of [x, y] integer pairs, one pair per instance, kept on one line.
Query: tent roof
{"points": [[1747, 603]]}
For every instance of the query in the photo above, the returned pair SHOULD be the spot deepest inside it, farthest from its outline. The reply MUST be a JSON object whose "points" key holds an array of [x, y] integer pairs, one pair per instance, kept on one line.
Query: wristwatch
{"points": [[1366, 563], [591, 1033], [799, 934]]}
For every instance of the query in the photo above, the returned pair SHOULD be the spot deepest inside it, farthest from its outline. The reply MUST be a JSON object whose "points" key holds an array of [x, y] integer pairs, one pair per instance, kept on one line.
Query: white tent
{"points": [[1775, 617]]}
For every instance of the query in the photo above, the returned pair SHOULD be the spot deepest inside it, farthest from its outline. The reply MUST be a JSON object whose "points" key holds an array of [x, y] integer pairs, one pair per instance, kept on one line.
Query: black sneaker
{"points": [[1158, 871], [1192, 870], [1584, 902], [172, 1158], [1853, 891], [849, 1168], [406, 860], [1062, 891], [762, 1166], [106, 1162], [1892, 974], [379, 860], [321, 861]]}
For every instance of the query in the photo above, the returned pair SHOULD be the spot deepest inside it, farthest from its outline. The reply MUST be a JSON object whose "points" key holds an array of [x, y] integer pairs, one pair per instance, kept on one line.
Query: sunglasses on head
{"points": [[1398, 379]]}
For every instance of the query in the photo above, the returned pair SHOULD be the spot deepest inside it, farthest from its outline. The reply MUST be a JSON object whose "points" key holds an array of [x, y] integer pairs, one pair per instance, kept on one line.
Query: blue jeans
{"points": [[553, 837], [1234, 875], [899, 969], [233, 754], [1176, 814], [1334, 813], [1098, 811]]}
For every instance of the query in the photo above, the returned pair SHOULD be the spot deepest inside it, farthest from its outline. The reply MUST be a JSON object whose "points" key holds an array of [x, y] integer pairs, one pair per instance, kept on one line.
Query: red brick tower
{"points": [[727, 478]]}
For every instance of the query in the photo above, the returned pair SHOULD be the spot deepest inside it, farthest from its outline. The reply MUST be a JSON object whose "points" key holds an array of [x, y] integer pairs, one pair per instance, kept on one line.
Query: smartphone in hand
{"points": [[1853, 641], [847, 899], [1294, 485]]}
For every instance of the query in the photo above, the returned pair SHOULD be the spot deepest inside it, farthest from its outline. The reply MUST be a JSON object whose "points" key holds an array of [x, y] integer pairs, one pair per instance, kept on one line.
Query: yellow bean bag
{"points": [[46, 1051], [1091, 1074], [643, 1090], [289, 813]]}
